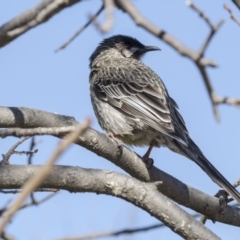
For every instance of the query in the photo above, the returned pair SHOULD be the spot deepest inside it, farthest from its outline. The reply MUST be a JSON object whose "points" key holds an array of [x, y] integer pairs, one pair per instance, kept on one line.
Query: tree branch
{"points": [[141, 21], [91, 19], [237, 3], [6, 156], [196, 56], [31, 184], [232, 16], [214, 98], [143, 195], [126, 159], [109, 8], [32, 18], [48, 8]]}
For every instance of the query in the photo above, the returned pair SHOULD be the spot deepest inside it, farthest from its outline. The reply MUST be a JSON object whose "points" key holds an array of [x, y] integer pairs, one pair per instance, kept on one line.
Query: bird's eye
{"points": [[127, 51]]}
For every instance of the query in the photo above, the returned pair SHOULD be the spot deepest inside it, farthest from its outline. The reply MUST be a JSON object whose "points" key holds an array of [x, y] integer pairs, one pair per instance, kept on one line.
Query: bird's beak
{"points": [[138, 53], [151, 48]]}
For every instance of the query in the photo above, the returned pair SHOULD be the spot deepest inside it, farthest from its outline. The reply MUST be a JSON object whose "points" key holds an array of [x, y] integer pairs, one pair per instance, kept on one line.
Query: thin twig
{"points": [[37, 202], [233, 17], [191, 4], [37, 179], [32, 203], [27, 20], [109, 8], [91, 19], [30, 152], [16, 191], [4, 207], [128, 7], [210, 91], [117, 233], [214, 29], [31, 147], [6, 156], [214, 98]]}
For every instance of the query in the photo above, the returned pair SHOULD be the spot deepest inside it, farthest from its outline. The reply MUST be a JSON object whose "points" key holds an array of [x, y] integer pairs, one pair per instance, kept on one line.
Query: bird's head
{"points": [[122, 46]]}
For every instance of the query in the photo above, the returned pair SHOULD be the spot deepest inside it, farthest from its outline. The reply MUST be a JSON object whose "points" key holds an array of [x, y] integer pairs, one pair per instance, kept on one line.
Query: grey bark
{"points": [[143, 195], [126, 159]]}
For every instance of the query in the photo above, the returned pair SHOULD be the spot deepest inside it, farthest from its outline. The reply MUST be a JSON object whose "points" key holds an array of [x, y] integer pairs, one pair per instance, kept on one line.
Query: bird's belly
{"points": [[110, 119], [130, 131], [139, 138]]}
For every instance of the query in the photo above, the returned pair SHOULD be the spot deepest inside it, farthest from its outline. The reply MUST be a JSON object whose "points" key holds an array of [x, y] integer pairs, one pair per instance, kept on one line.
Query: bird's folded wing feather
{"points": [[145, 101]]}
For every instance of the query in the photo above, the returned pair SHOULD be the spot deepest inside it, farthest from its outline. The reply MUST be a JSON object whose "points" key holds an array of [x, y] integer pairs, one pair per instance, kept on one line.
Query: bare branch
{"points": [[91, 19], [37, 202], [32, 203], [117, 233], [215, 99], [11, 151], [233, 17], [214, 29], [109, 8], [44, 171], [32, 18], [210, 91], [191, 4], [31, 148], [37, 190], [227, 100], [144, 195], [30, 152], [125, 158], [196, 57], [113, 234], [141, 21]]}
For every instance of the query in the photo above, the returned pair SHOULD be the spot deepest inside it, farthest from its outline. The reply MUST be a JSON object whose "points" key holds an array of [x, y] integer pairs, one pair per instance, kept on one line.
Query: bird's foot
{"points": [[118, 141], [223, 200], [148, 162]]}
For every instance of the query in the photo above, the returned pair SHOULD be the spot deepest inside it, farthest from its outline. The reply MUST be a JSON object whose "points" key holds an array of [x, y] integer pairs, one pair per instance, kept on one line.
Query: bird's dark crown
{"points": [[114, 42]]}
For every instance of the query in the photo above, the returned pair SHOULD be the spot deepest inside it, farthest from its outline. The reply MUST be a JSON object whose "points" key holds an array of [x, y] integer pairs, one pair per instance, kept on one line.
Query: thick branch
{"points": [[36, 180], [32, 18], [126, 159], [143, 195]]}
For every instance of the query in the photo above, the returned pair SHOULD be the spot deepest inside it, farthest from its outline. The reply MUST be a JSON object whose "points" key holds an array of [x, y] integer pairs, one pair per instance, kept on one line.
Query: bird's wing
{"points": [[144, 100]]}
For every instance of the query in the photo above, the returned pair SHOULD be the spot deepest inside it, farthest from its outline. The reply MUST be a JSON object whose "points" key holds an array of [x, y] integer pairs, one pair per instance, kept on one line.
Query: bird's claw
{"points": [[148, 162], [118, 141]]}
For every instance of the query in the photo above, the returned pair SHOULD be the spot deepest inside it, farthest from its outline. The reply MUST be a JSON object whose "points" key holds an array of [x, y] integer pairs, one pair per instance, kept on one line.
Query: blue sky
{"points": [[33, 75]]}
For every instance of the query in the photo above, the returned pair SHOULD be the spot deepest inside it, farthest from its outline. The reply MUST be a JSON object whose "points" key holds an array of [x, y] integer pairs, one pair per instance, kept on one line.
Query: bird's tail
{"points": [[195, 154]]}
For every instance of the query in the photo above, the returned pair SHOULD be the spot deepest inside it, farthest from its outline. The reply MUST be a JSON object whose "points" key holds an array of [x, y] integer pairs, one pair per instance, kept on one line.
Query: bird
{"points": [[133, 106]]}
